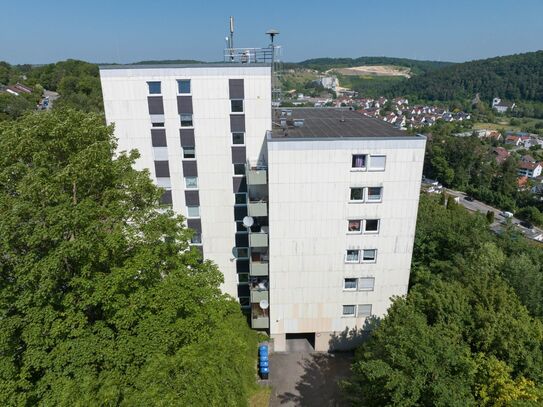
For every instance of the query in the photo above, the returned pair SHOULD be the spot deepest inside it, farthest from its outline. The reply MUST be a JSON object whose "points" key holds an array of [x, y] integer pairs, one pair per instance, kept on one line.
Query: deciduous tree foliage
{"points": [[461, 337], [101, 300]]}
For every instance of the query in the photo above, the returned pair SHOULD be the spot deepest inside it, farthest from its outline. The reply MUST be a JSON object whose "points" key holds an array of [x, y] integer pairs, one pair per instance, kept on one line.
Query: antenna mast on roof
{"points": [[231, 39]]}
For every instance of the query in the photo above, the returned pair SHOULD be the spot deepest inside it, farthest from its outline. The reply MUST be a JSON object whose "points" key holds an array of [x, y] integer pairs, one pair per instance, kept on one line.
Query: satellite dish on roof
{"points": [[248, 221], [264, 304]]}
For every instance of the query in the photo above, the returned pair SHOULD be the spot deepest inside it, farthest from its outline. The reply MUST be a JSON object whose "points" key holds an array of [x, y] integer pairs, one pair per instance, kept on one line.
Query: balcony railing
{"points": [[257, 208], [257, 176], [258, 295], [258, 239], [260, 323], [259, 268]]}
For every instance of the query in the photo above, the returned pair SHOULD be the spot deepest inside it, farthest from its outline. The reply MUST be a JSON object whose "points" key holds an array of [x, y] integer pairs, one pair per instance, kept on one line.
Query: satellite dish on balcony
{"points": [[264, 304], [248, 221]]}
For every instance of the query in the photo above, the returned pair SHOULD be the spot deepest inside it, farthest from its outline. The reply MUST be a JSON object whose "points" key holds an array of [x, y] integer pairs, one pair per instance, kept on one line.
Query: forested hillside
{"points": [[417, 67], [512, 77]]}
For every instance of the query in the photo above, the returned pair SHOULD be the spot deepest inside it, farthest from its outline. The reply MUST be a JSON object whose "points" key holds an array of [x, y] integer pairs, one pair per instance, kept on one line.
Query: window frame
{"points": [[365, 315], [232, 106], [245, 200], [367, 194], [242, 135], [364, 168], [351, 194], [354, 232], [372, 232], [179, 87], [345, 288], [370, 168], [159, 87], [189, 216], [186, 121], [374, 260], [238, 256], [184, 148], [344, 315], [187, 187], [360, 288], [243, 282], [238, 166], [352, 261], [198, 243]]}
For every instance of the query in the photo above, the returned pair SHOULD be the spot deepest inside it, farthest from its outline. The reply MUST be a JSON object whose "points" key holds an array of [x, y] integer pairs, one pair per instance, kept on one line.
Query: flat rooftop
{"points": [[195, 65], [321, 122]]}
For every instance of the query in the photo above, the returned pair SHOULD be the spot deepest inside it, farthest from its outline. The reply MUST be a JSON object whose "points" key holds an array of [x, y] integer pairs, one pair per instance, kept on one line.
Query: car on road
{"points": [[469, 198], [525, 224], [506, 214]]}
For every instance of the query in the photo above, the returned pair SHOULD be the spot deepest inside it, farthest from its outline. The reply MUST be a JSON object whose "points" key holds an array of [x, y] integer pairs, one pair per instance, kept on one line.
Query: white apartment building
{"points": [[309, 214]]}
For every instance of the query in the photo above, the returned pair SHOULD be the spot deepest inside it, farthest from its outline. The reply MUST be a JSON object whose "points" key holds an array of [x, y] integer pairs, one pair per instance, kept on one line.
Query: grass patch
{"points": [[261, 397]]}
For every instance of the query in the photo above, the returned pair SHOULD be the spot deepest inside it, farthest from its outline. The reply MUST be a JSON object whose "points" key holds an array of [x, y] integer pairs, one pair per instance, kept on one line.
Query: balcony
{"points": [[258, 208], [259, 268], [256, 176], [258, 295], [260, 322], [258, 239]]}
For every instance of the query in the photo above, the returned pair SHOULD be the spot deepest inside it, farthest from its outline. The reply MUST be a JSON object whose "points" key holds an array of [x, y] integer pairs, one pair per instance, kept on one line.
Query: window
{"points": [[236, 105], [349, 310], [240, 227], [189, 152], [357, 194], [240, 198], [193, 211], [369, 255], [239, 169], [371, 226], [183, 86], [354, 226], [359, 161], [366, 284], [243, 278], [158, 124], [244, 301], [364, 310], [196, 238], [349, 283], [375, 193], [238, 138], [352, 256], [377, 162], [186, 119], [242, 252], [191, 182], [154, 88]]}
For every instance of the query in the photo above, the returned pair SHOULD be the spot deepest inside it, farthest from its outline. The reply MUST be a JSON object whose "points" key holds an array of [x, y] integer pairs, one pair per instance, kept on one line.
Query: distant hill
{"points": [[416, 67], [513, 77]]}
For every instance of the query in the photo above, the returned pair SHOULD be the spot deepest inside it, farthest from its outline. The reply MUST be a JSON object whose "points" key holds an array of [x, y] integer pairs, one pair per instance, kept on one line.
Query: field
{"points": [[373, 70]]}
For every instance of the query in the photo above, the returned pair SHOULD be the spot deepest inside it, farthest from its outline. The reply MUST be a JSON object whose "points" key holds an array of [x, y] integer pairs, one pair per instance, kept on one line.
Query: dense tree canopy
{"points": [[461, 337], [101, 300]]}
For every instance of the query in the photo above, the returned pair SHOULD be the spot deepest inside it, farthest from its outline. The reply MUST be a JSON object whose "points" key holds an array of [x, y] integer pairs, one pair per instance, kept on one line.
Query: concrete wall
{"points": [[125, 93], [309, 187]]}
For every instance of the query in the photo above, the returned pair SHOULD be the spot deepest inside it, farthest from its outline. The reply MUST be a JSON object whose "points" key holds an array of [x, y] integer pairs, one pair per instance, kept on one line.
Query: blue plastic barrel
{"points": [[264, 363], [262, 348], [264, 370]]}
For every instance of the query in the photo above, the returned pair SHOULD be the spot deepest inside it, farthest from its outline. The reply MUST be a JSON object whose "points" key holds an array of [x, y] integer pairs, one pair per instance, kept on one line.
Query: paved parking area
{"points": [[307, 378]]}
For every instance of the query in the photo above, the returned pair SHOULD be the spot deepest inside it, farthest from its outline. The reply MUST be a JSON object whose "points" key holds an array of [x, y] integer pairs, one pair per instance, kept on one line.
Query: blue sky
{"points": [[128, 31]]}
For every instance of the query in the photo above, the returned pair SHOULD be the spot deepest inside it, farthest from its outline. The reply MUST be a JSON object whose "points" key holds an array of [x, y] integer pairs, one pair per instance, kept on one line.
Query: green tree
{"points": [[103, 301]]}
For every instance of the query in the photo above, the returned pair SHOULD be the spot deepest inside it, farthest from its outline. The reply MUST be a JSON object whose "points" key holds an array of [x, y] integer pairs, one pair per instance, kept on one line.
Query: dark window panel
{"points": [[166, 198], [237, 123], [154, 88], [238, 155], [239, 184], [155, 104], [239, 213], [242, 239], [236, 89], [162, 169], [242, 266], [236, 106], [184, 104], [158, 138], [243, 290], [195, 224], [183, 86], [187, 137], [192, 198], [190, 169]]}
